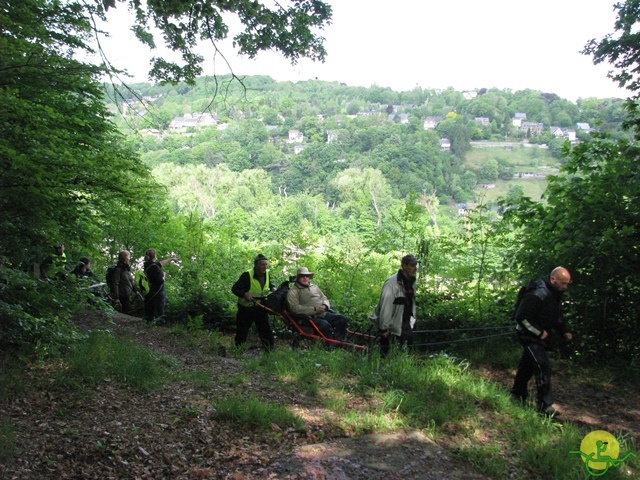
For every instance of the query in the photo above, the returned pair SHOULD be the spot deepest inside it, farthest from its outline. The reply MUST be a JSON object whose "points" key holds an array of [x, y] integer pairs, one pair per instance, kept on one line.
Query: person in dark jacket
{"points": [[253, 285], [537, 315], [122, 286], [156, 300], [83, 269], [54, 267]]}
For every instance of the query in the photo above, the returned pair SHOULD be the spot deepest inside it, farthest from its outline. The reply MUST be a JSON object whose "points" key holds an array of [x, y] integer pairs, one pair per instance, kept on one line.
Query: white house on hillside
{"points": [[561, 132], [295, 136], [518, 118], [431, 122], [193, 120]]}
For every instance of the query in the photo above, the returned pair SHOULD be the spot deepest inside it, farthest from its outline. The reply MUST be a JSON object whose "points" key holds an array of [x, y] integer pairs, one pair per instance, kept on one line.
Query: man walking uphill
{"points": [[537, 315]]}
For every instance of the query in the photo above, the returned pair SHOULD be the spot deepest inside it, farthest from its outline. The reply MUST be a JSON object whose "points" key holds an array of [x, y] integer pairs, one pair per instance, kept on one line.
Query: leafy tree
{"points": [[489, 171], [364, 196], [287, 30], [458, 130], [64, 166], [622, 48], [589, 223]]}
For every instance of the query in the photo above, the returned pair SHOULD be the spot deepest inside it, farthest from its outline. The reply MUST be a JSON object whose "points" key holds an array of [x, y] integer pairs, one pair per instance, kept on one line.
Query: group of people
{"points": [[122, 286], [538, 315], [395, 313], [55, 266]]}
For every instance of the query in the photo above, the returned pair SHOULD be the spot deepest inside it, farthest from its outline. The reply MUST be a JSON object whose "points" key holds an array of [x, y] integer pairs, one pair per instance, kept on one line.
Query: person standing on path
{"points": [[156, 300], [395, 313], [254, 285]]}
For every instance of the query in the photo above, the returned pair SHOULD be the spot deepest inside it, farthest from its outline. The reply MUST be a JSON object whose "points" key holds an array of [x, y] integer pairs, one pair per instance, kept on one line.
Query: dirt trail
{"points": [[110, 432]]}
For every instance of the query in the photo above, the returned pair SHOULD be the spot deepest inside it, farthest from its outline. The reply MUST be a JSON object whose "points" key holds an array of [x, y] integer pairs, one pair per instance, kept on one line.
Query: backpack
{"points": [[110, 270], [523, 290], [277, 301], [141, 282]]}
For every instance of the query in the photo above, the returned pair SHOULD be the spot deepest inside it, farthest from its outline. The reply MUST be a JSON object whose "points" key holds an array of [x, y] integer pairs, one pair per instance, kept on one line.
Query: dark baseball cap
{"points": [[410, 260]]}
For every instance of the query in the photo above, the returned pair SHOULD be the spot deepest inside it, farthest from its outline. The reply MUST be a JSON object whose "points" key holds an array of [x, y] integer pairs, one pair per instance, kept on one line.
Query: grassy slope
{"points": [[530, 159], [188, 402]]}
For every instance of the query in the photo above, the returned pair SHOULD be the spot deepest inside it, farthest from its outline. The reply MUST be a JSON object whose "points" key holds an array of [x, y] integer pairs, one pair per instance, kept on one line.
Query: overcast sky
{"points": [[464, 44]]}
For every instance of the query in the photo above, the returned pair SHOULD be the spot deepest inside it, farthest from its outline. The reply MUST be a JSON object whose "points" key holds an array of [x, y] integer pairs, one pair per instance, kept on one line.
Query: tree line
{"points": [[218, 197]]}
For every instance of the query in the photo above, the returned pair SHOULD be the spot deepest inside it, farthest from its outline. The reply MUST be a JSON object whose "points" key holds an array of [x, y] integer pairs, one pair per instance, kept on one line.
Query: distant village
{"points": [[187, 124]]}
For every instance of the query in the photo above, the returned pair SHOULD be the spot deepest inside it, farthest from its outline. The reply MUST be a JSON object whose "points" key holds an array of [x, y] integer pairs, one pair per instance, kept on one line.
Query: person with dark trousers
{"points": [[538, 314], [155, 301], [306, 298], [253, 286], [54, 267], [122, 286], [395, 313]]}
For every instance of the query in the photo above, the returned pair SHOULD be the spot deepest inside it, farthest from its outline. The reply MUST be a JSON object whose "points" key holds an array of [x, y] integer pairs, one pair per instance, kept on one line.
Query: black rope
{"points": [[465, 329], [461, 340]]}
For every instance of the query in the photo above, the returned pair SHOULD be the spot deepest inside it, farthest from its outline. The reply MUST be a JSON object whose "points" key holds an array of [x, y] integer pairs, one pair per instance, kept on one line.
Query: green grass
{"points": [[251, 411], [442, 397], [101, 356], [532, 188], [529, 159], [439, 395], [532, 158]]}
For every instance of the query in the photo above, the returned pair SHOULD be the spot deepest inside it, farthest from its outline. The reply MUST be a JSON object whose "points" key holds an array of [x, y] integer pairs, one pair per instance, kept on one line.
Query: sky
{"points": [[401, 44]]}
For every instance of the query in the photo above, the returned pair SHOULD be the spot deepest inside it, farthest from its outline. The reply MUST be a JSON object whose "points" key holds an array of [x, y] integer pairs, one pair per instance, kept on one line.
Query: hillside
{"points": [[111, 431], [528, 164], [305, 135]]}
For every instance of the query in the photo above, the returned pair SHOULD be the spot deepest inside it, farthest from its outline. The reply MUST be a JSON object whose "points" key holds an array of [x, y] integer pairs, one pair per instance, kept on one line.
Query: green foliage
{"points": [[439, 395], [288, 30], [620, 50], [27, 319], [589, 224], [364, 190], [65, 166]]}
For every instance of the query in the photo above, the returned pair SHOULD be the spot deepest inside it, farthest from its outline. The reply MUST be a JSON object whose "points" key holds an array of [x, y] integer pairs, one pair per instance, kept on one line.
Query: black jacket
{"points": [[155, 276], [540, 310], [122, 281]]}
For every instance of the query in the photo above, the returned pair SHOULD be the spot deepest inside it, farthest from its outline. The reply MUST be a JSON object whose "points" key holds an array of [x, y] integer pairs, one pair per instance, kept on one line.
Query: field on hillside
{"points": [[522, 159]]}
